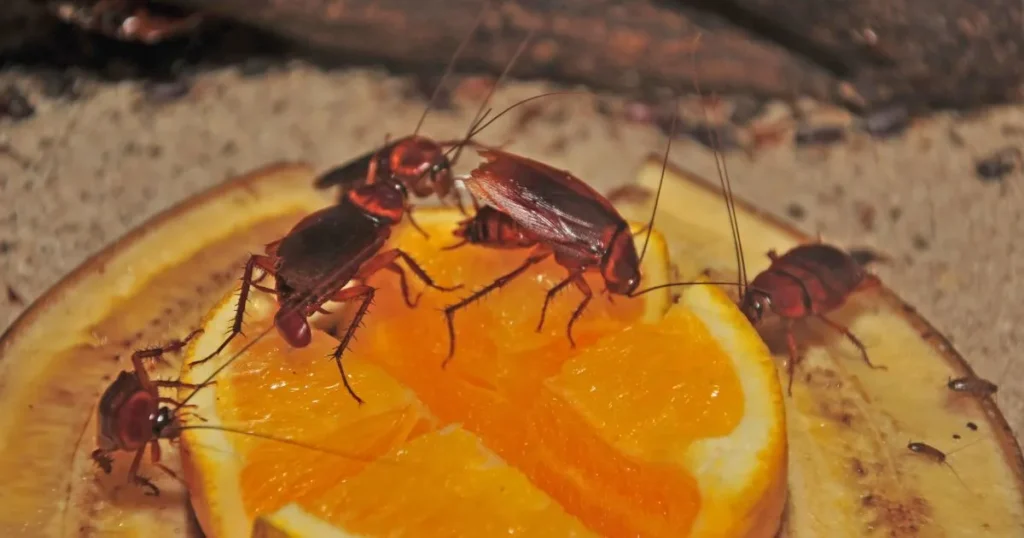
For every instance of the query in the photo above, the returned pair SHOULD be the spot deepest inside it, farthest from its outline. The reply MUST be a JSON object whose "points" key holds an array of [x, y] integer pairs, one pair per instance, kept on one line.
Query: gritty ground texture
{"points": [[83, 173]]}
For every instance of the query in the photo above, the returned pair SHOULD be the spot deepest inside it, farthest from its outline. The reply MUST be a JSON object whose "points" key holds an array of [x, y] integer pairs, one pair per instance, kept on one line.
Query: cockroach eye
{"points": [[161, 420]]}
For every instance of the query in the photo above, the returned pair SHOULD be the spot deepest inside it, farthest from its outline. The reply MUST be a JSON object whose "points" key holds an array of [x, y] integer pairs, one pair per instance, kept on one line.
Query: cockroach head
{"points": [[621, 265], [422, 166], [754, 305]]}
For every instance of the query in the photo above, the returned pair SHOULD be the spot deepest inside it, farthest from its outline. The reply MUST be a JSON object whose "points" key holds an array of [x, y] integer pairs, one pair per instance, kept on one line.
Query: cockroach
{"points": [[314, 262], [974, 386], [125, 20], [131, 418], [533, 205], [323, 252], [806, 281], [999, 164], [530, 204], [422, 165], [937, 456], [132, 415]]}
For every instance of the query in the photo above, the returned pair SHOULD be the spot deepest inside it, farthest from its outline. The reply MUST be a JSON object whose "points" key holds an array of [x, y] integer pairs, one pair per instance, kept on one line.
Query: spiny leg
{"points": [[551, 295], [384, 259], [395, 268], [584, 288], [263, 262], [157, 353], [365, 293], [135, 478], [449, 311], [794, 355], [856, 341], [176, 384]]}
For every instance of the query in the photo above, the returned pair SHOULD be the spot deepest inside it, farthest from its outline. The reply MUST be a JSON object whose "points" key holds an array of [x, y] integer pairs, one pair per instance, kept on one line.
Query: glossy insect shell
{"points": [[421, 166], [494, 229], [579, 224], [808, 279], [327, 248], [124, 415]]}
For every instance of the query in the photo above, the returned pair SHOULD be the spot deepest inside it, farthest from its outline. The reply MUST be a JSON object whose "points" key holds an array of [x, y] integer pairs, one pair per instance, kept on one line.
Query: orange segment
{"points": [[448, 482], [655, 424]]}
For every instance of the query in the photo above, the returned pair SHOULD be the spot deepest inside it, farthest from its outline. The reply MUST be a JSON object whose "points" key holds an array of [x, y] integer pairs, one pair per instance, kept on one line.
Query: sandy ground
{"points": [[91, 170]]}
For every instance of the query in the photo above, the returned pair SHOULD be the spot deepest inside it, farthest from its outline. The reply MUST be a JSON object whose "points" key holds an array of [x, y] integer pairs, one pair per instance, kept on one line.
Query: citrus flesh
{"points": [[663, 420]]}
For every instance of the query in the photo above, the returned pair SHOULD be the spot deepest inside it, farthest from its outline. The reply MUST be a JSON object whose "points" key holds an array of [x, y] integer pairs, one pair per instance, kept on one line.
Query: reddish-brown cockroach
{"points": [[126, 20], [314, 262], [324, 252], [807, 281], [131, 416], [533, 205]]}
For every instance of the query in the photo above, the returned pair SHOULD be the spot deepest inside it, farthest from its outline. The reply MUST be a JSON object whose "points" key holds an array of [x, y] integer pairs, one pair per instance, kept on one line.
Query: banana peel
{"points": [[851, 474], [153, 285]]}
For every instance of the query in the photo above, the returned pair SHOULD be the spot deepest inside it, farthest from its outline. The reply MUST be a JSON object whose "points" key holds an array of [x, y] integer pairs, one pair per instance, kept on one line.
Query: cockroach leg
{"points": [[409, 301], [412, 221], [449, 311], [853, 338], [462, 243], [551, 295], [135, 478], [581, 285], [157, 353], [175, 384], [365, 293], [266, 263], [103, 460], [387, 260]]}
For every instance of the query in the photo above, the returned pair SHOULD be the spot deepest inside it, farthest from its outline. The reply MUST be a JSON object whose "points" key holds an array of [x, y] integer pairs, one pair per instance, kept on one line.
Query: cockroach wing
{"points": [[552, 204], [353, 173], [126, 385], [328, 248]]}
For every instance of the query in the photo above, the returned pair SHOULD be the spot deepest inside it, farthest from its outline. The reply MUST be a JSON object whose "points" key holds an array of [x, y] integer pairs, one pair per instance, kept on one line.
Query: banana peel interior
{"points": [[851, 474]]}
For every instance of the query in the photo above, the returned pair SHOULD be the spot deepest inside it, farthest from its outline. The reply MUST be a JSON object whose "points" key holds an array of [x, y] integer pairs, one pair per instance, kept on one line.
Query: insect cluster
{"points": [[519, 203]]}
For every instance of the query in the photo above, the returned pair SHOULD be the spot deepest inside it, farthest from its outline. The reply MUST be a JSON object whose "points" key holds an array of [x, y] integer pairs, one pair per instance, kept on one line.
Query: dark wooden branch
{"points": [[960, 53]]}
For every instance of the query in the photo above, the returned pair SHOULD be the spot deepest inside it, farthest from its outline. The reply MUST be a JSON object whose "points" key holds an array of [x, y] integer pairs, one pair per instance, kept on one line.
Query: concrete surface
{"points": [[88, 171]]}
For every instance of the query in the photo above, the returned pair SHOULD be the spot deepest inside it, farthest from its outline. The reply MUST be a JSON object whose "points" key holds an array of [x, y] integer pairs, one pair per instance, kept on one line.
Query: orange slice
{"points": [[665, 419]]}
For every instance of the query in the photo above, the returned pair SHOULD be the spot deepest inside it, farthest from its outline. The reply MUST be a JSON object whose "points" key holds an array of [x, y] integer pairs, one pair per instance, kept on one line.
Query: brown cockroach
{"points": [[807, 281], [937, 456], [533, 205], [974, 386], [132, 418], [315, 261], [557, 214], [125, 20], [132, 415]]}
